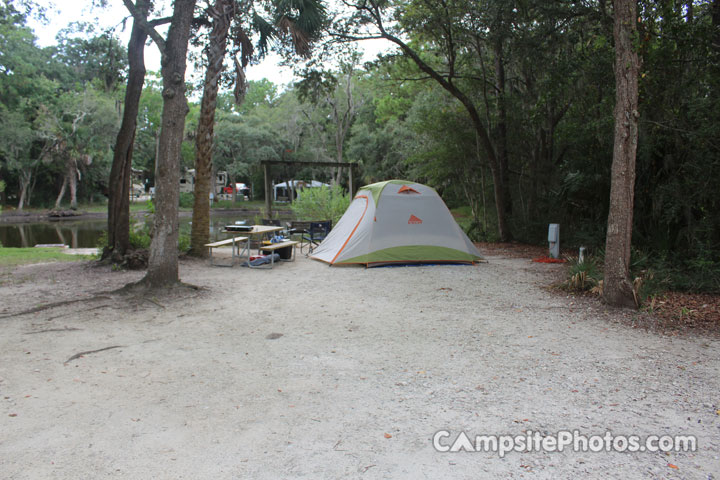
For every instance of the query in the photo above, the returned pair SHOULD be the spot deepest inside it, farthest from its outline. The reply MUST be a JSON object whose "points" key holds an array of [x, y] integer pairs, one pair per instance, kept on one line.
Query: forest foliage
{"points": [[540, 75]]}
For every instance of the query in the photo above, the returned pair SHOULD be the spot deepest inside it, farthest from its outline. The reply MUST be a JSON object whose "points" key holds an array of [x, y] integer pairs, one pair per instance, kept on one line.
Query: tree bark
{"points": [[119, 183], [617, 287], [62, 192], [501, 142], [24, 181], [163, 261], [200, 231], [72, 181]]}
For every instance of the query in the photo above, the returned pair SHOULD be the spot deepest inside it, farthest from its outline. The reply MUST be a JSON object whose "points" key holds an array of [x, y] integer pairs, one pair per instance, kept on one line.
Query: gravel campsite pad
{"points": [[306, 371]]}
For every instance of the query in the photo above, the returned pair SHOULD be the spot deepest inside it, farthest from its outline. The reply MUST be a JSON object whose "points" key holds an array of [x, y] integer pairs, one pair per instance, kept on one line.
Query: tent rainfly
{"points": [[396, 222]]}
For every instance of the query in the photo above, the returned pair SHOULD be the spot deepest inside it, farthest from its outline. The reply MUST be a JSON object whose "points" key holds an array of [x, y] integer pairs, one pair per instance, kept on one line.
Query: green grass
{"points": [[102, 207], [11, 257]]}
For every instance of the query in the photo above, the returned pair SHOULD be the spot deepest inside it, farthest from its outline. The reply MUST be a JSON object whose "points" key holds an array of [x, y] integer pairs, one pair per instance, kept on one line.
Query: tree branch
{"points": [[142, 20]]}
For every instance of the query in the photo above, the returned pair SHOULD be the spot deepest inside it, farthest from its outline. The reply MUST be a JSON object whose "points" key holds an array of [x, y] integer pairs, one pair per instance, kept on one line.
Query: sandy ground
{"points": [[307, 371]]}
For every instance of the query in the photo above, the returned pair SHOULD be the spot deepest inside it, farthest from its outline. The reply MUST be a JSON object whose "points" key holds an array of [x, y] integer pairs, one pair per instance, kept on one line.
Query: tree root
{"points": [[66, 329], [82, 354], [49, 306], [73, 313]]}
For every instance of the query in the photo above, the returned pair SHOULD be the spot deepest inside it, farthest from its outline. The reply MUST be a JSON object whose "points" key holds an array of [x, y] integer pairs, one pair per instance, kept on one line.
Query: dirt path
{"points": [[311, 372]]}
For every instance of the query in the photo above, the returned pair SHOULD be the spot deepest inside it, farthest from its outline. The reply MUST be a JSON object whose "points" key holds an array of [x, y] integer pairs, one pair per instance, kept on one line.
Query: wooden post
{"points": [[350, 180], [268, 197]]}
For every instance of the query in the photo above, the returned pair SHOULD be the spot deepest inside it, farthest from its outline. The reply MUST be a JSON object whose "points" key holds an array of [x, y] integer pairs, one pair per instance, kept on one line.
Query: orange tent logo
{"points": [[406, 189], [414, 220]]}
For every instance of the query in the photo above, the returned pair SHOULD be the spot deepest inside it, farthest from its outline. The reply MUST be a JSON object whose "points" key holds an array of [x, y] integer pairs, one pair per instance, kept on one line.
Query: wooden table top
{"points": [[256, 229]]}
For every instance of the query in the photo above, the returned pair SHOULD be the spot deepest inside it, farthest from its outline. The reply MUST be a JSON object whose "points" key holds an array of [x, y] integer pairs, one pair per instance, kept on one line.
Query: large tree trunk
{"points": [[119, 183], [163, 261], [62, 192], [24, 180], [72, 181], [617, 287], [216, 49]]}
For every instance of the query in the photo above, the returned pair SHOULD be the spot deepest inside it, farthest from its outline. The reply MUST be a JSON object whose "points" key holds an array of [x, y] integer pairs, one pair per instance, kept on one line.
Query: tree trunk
{"points": [[499, 186], [617, 287], [163, 261], [24, 184], [216, 49], [501, 142], [119, 183], [72, 180], [62, 192]]}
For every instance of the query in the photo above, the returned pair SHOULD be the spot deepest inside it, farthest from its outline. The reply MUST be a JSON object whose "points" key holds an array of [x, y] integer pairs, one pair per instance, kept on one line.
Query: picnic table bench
{"points": [[233, 242], [272, 247]]}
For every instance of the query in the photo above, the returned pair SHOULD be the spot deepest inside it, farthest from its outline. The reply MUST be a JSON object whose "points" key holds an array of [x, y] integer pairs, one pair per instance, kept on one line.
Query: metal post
{"points": [[350, 180], [268, 197]]}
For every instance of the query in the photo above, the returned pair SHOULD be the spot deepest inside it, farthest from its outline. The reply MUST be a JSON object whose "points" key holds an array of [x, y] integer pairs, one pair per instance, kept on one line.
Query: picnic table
{"points": [[234, 242], [257, 232]]}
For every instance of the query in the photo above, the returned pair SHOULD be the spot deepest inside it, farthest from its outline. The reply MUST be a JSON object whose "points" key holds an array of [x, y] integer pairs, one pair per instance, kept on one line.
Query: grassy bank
{"points": [[11, 257]]}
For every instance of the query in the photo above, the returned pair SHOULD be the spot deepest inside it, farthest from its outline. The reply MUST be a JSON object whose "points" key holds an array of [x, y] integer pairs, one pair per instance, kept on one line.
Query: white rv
{"points": [[187, 182]]}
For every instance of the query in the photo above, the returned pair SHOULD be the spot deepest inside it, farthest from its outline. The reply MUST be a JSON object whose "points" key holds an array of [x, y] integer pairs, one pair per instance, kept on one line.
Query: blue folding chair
{"points": [[316, 233]]}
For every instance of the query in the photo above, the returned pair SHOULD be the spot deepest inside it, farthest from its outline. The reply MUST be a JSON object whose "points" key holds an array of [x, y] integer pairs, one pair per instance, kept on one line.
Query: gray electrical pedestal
{"points": [[554, 239]]}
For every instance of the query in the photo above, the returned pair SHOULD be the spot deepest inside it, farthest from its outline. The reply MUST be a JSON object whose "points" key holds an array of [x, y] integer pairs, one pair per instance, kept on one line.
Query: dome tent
{"points": [[396, 222]]}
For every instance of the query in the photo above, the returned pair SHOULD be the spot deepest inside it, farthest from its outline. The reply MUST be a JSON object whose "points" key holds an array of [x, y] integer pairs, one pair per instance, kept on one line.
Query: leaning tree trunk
{"points": [[163, 261], [119, 183], [62, 192], [617, 287], [500, 187], [25, 178], [200, 231]]}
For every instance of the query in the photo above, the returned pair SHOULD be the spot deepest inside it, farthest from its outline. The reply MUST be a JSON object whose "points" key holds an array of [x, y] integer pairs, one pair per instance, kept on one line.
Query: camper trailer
{"points": [[187, 182]]}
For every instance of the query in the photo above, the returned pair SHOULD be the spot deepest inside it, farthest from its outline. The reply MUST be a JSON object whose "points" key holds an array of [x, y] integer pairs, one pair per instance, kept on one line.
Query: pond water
{"points": [[85, 233]]}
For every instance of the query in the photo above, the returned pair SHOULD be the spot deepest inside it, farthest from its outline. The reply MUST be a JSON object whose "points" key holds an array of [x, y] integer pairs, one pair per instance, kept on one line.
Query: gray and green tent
{"points": [[396, 222]]}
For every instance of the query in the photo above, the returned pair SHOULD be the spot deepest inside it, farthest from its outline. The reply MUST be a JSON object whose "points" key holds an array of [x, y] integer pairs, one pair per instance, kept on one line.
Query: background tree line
{"points": [[507, 110]]}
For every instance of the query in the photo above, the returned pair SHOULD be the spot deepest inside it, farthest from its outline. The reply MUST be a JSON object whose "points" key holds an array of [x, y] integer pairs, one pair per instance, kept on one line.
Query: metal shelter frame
{"points": [[266, 164]]}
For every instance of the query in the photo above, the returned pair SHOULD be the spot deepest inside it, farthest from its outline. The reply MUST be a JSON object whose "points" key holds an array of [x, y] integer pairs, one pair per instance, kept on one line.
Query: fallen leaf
{"points": [[387, 435], [12, 415], [672, 466]]}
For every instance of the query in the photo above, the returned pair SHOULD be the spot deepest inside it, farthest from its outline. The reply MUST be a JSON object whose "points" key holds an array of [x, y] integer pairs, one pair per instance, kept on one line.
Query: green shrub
{"points": [[187, 200], [139, 238], [102, 241], [223, 204], [321, 204], [583, 276], [183, 243]]}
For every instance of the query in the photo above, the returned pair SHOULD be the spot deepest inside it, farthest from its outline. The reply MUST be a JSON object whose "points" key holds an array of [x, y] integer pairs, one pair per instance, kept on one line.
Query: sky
{"points": [[63, 13]]}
